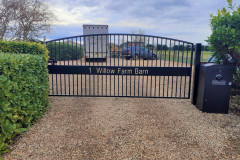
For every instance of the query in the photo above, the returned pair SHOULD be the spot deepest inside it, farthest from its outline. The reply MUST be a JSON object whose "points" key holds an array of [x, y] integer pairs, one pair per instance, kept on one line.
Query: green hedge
{"points": [[24, 48], [23, 94], [23, 88], [65, 51]]}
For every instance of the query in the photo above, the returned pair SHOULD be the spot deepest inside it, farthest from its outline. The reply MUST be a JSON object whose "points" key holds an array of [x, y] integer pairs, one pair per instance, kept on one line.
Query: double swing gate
{"points": [[120, 65]]}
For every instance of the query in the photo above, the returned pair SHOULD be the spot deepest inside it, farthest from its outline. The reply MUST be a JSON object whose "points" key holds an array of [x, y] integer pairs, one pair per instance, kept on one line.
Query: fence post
{"points": [[196, 72]]}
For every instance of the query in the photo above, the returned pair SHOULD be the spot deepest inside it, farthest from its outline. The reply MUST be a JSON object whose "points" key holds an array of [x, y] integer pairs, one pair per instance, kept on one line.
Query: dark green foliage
{"points": [[182, 47], [162, 47], [204, 48], [23, 88], [225, 37], [150, 46], [24, 47], [65, 51], [23, 94], [188, 47], [179, 47]]}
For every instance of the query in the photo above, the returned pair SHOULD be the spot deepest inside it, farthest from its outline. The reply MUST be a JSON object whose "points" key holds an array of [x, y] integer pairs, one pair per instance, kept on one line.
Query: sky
{"points": [[186, 20]]}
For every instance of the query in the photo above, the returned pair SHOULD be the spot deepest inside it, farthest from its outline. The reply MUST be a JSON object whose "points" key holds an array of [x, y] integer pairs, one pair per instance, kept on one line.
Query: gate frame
{"points": [[195, 71]]}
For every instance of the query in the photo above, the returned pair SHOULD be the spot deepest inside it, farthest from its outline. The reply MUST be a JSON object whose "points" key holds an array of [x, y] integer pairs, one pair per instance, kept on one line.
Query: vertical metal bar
{"points": [[147, 50], [155, 75], [56, 74], [68, 48], [169, 60], [190, 77], [102, 60], [64, 52], [165, 53], [72, 53], [60, 64], [131, 65], [156, 54], [110, 65], [93, 76], [185, 76], [52, 86], [114, 62], [81, 60], [135, 41], [139, 57], [151, 75], [160, 66], [106, 60], [181, 76], [173, 50], [127, 65], [77, 55], [151, 66], [73, 64], [85, 46], [97, 65], [143, 64], [165, 58], [140, 41], [147, 66], [77, 62], [187, 55], [122, 63], [196, 72], [118, 61], [161, 52], [187, 63], [177, 66], [53, 63], [89, 49]]}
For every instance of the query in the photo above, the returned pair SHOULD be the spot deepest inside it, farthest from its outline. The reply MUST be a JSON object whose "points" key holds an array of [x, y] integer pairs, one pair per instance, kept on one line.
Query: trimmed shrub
{"points": [[65, 51], [225, 38], [23, 94], [24, 47], [23, 88]]}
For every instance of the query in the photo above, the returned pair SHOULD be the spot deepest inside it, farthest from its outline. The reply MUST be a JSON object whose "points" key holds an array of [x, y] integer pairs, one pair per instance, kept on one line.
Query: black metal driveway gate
{"points": [[120, 65]]}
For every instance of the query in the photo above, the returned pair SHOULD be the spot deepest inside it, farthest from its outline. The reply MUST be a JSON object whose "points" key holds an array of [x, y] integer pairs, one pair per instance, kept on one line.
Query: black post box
{"points": [[214, 88]]}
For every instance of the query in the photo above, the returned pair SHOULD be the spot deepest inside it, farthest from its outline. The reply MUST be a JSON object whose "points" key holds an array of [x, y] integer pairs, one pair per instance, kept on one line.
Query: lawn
{"points": [[205, 55], [181, 56]]}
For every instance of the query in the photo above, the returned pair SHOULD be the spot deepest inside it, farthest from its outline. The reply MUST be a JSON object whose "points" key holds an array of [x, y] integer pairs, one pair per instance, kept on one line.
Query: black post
{"points": [[196, 72]]}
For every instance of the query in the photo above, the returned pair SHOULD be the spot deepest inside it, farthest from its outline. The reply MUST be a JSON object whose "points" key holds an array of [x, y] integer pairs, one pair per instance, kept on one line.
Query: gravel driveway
{"points": [[128, 128]]}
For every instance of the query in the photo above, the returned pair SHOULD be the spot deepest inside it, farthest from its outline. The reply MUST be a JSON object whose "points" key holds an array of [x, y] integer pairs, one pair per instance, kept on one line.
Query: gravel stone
{"points": [[128, 129]]}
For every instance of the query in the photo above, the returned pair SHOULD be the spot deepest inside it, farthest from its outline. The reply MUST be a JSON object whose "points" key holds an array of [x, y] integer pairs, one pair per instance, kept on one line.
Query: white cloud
{"points": [[75, 16], [185, 19]]}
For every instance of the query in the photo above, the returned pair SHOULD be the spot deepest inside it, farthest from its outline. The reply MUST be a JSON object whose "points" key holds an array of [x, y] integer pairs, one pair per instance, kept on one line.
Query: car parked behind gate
{"points": [[136, 52]]}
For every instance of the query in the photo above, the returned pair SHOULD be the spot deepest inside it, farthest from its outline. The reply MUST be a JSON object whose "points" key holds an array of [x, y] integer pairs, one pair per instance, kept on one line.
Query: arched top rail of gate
{"points": [[123, 34]]}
